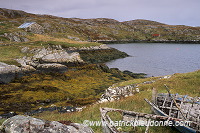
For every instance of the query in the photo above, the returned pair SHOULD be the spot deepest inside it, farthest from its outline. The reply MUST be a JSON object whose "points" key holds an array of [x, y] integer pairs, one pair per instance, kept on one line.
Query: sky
{"points": [[174, 12]]}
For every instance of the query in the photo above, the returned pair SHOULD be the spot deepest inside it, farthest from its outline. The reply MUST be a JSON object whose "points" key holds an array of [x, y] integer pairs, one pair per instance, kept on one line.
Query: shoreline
{"points": [[145, 41]]}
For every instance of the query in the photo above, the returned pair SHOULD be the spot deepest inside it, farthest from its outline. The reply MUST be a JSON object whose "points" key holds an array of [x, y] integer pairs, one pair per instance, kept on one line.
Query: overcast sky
{"points": [[175, 12]]}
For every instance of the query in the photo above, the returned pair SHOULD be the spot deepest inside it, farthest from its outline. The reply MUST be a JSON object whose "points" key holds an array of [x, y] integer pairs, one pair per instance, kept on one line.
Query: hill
{"points": [[187, 83], [99, 29], [83, 84]]}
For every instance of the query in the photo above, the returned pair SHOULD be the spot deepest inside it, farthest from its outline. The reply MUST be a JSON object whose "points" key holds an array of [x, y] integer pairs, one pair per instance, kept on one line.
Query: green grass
{"points": [[9, 53], [187, 83], [1, 121]]}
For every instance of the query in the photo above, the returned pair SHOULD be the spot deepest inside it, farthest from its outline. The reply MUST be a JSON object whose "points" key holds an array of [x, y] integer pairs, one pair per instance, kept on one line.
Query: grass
{"points": [[78, 86], [187, 83], [45, 39], [9, 53], [1, 121]]}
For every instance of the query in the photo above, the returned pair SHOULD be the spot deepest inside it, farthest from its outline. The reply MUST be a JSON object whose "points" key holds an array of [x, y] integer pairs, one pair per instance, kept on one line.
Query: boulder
{"points": [[24, 61], [10, 72], [27, 124], [52, 67], [55, 54], [62, 57], [25, 49], [16, 37], [7, 72]]}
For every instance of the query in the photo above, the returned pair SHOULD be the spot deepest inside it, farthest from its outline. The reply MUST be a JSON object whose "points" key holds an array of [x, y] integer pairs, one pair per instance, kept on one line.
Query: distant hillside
{"points": [[142, 22], [99, 29]]}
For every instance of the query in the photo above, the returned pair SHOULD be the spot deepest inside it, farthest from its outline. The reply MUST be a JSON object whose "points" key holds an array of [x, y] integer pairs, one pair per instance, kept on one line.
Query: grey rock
{"points": [[22, 61], [103, 46], [43, 59], [74, 38], [62, 57], [10, 72], [27, 124], [27, 68], [25, 49], [35, 28], [16, 36], [80, 128], [7, 72], [52, 67], [55, 54], [115, 93]]}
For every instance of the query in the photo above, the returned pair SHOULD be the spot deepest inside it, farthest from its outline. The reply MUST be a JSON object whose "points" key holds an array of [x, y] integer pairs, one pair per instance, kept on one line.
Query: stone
{"points": [[7, 72], [22, 61], [27, 124], [48, 59], [116, 93], [62, 57], [103, 46], [55, 54], [52, 67], [35, 28], [25, 49], [16, 36]]}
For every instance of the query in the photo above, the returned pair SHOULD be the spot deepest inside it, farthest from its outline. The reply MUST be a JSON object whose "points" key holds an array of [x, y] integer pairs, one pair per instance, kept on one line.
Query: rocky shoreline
{"points": [[43, 60], [52, 64], [54, 58]]}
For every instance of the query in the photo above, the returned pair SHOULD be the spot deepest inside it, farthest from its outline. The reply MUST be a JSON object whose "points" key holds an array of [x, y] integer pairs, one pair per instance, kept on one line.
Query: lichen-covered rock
{"points": [[62, 57], [27, 124], [55, 55], [51, 59], [16, 36], [52, 67], [49, 55]]}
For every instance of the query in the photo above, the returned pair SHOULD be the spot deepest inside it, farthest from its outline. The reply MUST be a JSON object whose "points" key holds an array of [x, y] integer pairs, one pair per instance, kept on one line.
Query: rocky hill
{"points": [[99, 29]]}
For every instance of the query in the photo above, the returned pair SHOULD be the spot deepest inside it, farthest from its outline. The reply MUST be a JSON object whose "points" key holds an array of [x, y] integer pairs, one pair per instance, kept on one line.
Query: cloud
{"points": [[168, 11]]}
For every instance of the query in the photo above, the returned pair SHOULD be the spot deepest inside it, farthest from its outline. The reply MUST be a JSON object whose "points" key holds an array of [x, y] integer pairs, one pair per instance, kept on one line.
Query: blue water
{"points": [[158, 59]]}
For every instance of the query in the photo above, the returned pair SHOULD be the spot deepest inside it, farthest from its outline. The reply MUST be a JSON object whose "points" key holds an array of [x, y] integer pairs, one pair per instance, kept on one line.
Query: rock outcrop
{"points": [[27, 124], [12, 13], [35, 28], [7, 72], [49, 55], [51, 59], [100, 47], [16, 36], [10, 72], [52, 67]]}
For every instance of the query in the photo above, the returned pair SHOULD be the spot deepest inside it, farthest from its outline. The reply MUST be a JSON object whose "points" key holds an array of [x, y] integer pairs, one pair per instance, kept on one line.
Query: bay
{"points": [[158, 59]]}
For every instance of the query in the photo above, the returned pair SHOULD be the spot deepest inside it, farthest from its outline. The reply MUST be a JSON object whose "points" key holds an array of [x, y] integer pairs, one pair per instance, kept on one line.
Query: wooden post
{"points": [[154, 95]]}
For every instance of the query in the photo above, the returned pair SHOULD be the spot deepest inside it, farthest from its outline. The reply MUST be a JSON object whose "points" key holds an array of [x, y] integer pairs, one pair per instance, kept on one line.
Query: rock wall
{"points": [[115, 93], [27, 124]]}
